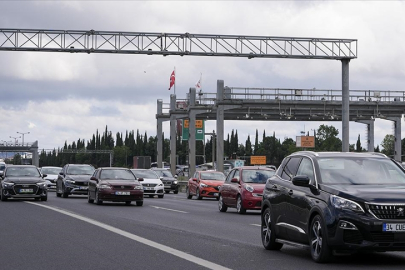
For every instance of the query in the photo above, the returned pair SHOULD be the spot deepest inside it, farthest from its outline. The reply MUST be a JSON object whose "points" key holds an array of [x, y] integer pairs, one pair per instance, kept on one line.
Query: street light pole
{"points": [[22, 133], [15, 139]]}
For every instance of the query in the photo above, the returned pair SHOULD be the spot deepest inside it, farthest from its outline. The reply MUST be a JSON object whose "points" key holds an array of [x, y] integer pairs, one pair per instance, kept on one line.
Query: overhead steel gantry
{"points": [[182, 44]]}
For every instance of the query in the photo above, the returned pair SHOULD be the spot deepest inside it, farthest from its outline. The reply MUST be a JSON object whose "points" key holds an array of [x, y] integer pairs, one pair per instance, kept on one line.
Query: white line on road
{"points": [[158, 207], [258, 225], [139, 239]]}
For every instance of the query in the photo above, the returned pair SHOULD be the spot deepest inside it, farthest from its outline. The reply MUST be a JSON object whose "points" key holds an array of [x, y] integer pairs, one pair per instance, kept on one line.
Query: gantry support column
{"points": [[173, 137], [370, 133], [34, 152], [192, 130], [345, 105], [220, 126], [397, 138], [159, 133]]}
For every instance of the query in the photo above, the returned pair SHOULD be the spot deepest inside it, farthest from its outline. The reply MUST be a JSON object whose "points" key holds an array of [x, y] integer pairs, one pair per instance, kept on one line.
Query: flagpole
{"points": [[175, 81]]}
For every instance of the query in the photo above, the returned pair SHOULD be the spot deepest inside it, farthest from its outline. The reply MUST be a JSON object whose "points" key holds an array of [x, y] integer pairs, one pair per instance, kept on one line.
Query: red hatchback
{"points": [[243, 188], [205, 184]]}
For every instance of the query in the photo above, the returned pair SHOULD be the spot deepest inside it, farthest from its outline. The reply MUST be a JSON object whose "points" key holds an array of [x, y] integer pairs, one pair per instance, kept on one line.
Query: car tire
{"points": [[58, 194], [268, 232], [89, 199], [37, 199], [128, 203], [239, 207], [2, 197], [176, 191], [139, 203], [44, 199], [197, 194], [318, 241], [64, 193], [97, 199], [189, 196], [161, 196], [167, 191], [221, 205]]}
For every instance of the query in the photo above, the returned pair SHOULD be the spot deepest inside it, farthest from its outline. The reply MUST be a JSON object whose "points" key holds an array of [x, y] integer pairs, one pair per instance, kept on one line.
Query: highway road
{"points": [[168, 233]]}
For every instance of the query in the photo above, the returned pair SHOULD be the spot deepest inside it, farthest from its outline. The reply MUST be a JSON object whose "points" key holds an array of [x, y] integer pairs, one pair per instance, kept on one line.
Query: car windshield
{"points": [[145, 174], [360, 171], [212, 176], [49, 170], [2, 167], [256, 176], [80, 170], [112, 174], [22, 171], [164, 173]]}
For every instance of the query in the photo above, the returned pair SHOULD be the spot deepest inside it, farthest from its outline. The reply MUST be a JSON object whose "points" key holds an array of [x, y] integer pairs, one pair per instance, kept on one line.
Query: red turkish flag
{"points": [[172, 80]]}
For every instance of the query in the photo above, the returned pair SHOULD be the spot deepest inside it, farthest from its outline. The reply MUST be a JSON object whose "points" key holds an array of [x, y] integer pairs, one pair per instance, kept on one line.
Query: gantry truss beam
{"points": [[176, 44]]}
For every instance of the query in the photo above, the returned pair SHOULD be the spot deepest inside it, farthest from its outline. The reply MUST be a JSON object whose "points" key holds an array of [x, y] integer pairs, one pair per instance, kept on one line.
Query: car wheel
{"points": [[221, 206], [188, 193], [320, 250], [176, 191], [139, 203], [89, 199], [3, 198], [161, 196], [167, 191], [97, 199], [128, 203], [44, 199], [64, 193], [37, 199], [239, 207], [268, 233], [197, 194], [57, 191]]}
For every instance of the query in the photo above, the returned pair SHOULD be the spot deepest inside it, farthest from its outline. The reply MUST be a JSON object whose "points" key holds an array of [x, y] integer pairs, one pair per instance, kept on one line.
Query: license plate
{"points": [[26, 190], [393, 227], [85, 188], [148, 188], [122, 193]]}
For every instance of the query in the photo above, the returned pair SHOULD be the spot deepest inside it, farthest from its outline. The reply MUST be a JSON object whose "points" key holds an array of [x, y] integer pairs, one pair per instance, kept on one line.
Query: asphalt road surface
{"points": [[168, 233]]}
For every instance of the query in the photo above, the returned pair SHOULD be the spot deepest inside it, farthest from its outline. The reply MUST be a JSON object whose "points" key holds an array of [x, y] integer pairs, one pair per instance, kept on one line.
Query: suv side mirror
{"points": [[301, 181]]}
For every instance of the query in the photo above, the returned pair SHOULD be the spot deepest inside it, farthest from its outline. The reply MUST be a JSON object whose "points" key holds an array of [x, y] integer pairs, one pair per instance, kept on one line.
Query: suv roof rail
{"points": [[306, 152], [378, 154]]}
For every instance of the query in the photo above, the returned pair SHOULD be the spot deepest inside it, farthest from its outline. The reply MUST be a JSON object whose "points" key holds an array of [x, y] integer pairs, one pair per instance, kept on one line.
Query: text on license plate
{"points": [[122, 193], [26, 190], [148, 188], [85, 188], [394, 227]]}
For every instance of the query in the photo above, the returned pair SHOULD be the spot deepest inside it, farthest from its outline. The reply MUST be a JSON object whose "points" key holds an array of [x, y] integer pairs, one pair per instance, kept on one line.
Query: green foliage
{"points": [[388, 145]]}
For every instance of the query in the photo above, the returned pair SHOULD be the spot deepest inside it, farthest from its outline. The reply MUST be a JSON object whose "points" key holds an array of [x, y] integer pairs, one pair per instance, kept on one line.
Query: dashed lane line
{"points": [[168, 209]]}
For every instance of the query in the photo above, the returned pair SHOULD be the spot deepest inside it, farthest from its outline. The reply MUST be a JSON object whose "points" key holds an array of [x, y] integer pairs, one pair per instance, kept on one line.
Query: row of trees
{"points": [[126, 146]]}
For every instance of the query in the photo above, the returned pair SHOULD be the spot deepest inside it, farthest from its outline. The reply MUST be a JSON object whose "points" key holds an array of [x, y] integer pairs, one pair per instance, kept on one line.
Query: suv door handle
{"points": [[290, 192]]}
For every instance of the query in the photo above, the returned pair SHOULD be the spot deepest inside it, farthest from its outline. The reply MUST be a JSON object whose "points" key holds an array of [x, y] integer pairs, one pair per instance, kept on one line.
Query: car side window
{"points": [[307, 169], [290, 168], [281, 167], [230, 176], [236, 175]]}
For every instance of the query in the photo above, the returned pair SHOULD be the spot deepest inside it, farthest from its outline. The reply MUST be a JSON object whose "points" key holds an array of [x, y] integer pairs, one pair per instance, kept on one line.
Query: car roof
{"points": [[112, 168], [341, 154]]}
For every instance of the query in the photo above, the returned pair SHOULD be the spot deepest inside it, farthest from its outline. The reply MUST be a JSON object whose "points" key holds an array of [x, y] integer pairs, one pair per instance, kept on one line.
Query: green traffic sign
{"points": [[199, 130]]}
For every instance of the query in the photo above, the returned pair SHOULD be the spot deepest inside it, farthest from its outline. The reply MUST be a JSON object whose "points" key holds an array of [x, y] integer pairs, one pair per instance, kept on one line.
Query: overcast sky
{"points": [[60, 97]]}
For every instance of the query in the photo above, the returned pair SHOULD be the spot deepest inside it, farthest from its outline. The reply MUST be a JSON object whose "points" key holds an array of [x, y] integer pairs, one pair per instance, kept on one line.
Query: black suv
{"points": [[335, 202], [74, 179], [169, 181]]}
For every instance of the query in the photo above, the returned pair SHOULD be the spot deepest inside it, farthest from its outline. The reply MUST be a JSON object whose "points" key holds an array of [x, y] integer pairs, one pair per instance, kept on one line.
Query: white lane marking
{"points": [[158, 207], [175, 252], [258, 225]]}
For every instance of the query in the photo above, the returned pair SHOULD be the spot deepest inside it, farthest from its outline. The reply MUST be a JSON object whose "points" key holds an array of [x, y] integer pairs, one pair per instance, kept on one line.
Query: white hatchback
{"points": [[152, 185]]}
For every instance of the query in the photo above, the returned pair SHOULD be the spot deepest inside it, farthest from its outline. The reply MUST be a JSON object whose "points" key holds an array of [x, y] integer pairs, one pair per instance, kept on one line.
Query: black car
{"points": [[169, 181], [335, 202], [73, 179], [115, 185], [23, 181]]}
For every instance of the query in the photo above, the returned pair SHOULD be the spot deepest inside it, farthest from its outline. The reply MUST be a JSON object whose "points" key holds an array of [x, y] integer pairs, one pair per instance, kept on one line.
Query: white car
{"points": [[152, 185], [51, 175]]}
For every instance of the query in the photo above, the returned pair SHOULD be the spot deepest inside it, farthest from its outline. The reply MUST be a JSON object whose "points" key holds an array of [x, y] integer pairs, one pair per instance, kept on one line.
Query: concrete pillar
{"points": [[220, 126], [34, 152], [192, 131], [397, 136], [173, 138], [159, 133], [345, 105], [370, 133]]}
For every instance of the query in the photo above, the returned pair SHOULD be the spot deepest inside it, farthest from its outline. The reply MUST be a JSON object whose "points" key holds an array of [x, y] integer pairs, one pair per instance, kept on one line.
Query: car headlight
{"points": [[160, 185], [138, 187], [249, 188], [175, 182], [203, 185], [7, 184], [345, 204], [104, 186], [41, 185], [70, 181]]}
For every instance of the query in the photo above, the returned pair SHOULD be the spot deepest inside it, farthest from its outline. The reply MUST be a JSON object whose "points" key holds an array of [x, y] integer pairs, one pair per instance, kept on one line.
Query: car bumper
{"points": [[252, 201], [153, 190], [77, 190], [351, 233], [135, 195], [209, 192], [13, 193], [172, 187]]}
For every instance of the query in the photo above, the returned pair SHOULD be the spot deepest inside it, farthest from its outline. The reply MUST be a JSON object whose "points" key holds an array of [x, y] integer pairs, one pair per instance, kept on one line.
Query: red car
{"points": [[243, 188], [205, 184]]}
